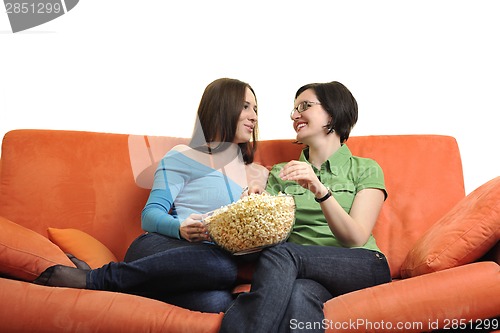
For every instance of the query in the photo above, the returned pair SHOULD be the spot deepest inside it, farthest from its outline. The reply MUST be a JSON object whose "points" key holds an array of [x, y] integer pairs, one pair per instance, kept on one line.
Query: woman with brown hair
{"points": [[174, 260]]}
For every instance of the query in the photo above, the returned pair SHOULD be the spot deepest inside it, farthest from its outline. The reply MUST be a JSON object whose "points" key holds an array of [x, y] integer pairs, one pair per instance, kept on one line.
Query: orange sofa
{"points": [[82, 192]]}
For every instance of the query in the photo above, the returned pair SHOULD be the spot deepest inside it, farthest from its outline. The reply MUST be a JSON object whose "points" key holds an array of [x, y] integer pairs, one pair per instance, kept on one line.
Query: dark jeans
{"points": [[196, 276], [291, 283]]}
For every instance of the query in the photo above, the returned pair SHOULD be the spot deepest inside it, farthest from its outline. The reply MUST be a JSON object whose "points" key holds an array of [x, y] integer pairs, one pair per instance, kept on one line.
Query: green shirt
{"points": [[344, 175]]}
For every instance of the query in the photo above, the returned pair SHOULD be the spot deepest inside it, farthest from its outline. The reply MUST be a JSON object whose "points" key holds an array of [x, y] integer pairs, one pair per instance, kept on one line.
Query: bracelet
{"points": [[327, 195]]}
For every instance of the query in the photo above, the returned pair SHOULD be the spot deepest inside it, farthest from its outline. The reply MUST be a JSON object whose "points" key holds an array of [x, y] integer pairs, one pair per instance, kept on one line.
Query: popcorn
{"points": [[252, 223]]}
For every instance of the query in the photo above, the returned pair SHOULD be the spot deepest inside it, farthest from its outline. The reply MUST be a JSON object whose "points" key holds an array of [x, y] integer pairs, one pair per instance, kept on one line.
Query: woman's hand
{"points": [[256, 178], [304, 175], [193, 230], [252, 189]]}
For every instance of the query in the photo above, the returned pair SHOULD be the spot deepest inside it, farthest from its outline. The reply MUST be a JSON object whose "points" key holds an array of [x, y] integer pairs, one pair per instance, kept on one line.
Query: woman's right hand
{"points": [[192, 229]]}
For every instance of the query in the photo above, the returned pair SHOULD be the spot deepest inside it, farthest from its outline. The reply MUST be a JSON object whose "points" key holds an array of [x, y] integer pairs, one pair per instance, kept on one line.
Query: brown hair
{"points": [[218, 114]]}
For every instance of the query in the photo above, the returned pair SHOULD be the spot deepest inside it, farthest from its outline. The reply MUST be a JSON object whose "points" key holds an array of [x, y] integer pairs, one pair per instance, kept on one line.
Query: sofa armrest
{"points": [[422, 303]]}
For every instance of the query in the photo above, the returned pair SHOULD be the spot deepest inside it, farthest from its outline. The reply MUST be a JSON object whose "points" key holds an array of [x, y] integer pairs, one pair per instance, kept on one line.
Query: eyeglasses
{"points": [[304, 106]]}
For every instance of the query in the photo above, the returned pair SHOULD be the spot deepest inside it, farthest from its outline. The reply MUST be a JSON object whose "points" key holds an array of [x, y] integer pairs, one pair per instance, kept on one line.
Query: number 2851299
{"points": [[472, 324], [32, 8]]}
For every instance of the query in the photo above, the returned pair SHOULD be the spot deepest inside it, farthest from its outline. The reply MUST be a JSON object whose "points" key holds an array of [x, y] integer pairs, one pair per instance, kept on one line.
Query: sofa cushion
{"points": [[82, 180], [462, 236], [29, 307], [82, 245], [25, 254]]}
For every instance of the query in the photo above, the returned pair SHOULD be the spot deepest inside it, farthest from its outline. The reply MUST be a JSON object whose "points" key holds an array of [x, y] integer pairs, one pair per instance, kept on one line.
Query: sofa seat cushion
{"points": [[47, 309], [460, 237], [25, 254], [82, 245]]}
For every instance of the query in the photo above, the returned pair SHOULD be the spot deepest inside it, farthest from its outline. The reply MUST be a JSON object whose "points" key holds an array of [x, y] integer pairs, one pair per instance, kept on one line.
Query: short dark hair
{"points": [[218, 114], [339, 103]]}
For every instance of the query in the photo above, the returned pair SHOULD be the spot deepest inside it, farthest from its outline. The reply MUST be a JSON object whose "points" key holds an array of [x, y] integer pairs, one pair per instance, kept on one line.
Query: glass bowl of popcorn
{"points": [[252, 223]]}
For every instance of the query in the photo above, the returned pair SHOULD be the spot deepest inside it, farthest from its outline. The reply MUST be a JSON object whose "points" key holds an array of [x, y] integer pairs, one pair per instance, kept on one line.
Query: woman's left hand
{"points": [[303, 174], [253, 189]]}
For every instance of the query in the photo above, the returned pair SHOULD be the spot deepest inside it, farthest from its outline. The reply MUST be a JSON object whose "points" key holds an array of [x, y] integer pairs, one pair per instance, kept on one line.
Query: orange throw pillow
{"points": [[460, 237], [25, 254], [82, 246]]}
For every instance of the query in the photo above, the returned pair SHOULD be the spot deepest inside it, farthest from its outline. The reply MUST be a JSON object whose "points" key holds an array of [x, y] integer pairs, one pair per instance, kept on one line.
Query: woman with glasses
{"points": [[174, 260], [331, 250]]}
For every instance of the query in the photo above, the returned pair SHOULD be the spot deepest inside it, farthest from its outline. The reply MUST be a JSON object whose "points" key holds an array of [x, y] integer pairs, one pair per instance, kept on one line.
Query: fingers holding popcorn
{"points": [[302, 173], [253, 189], [296, 170]]}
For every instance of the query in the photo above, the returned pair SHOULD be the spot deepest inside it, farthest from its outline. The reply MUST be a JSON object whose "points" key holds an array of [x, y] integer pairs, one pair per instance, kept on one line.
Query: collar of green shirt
{"points": [[334, 163]]}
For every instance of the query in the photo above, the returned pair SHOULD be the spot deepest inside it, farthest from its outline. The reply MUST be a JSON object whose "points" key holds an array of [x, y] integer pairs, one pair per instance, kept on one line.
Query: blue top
{"points": [[183, 186]]}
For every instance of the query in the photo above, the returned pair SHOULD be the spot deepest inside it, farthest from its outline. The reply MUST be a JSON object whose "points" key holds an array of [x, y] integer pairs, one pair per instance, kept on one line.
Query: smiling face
{"points": [[247, 120], [311, 122]]}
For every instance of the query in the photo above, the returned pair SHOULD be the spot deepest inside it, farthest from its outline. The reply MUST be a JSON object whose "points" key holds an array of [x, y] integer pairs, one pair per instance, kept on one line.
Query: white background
{"points": [[140, 67]]}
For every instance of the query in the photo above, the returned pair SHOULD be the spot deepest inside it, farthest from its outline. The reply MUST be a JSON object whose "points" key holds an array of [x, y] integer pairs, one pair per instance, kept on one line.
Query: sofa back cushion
{"points": [[71, 179], [99, 182]]}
